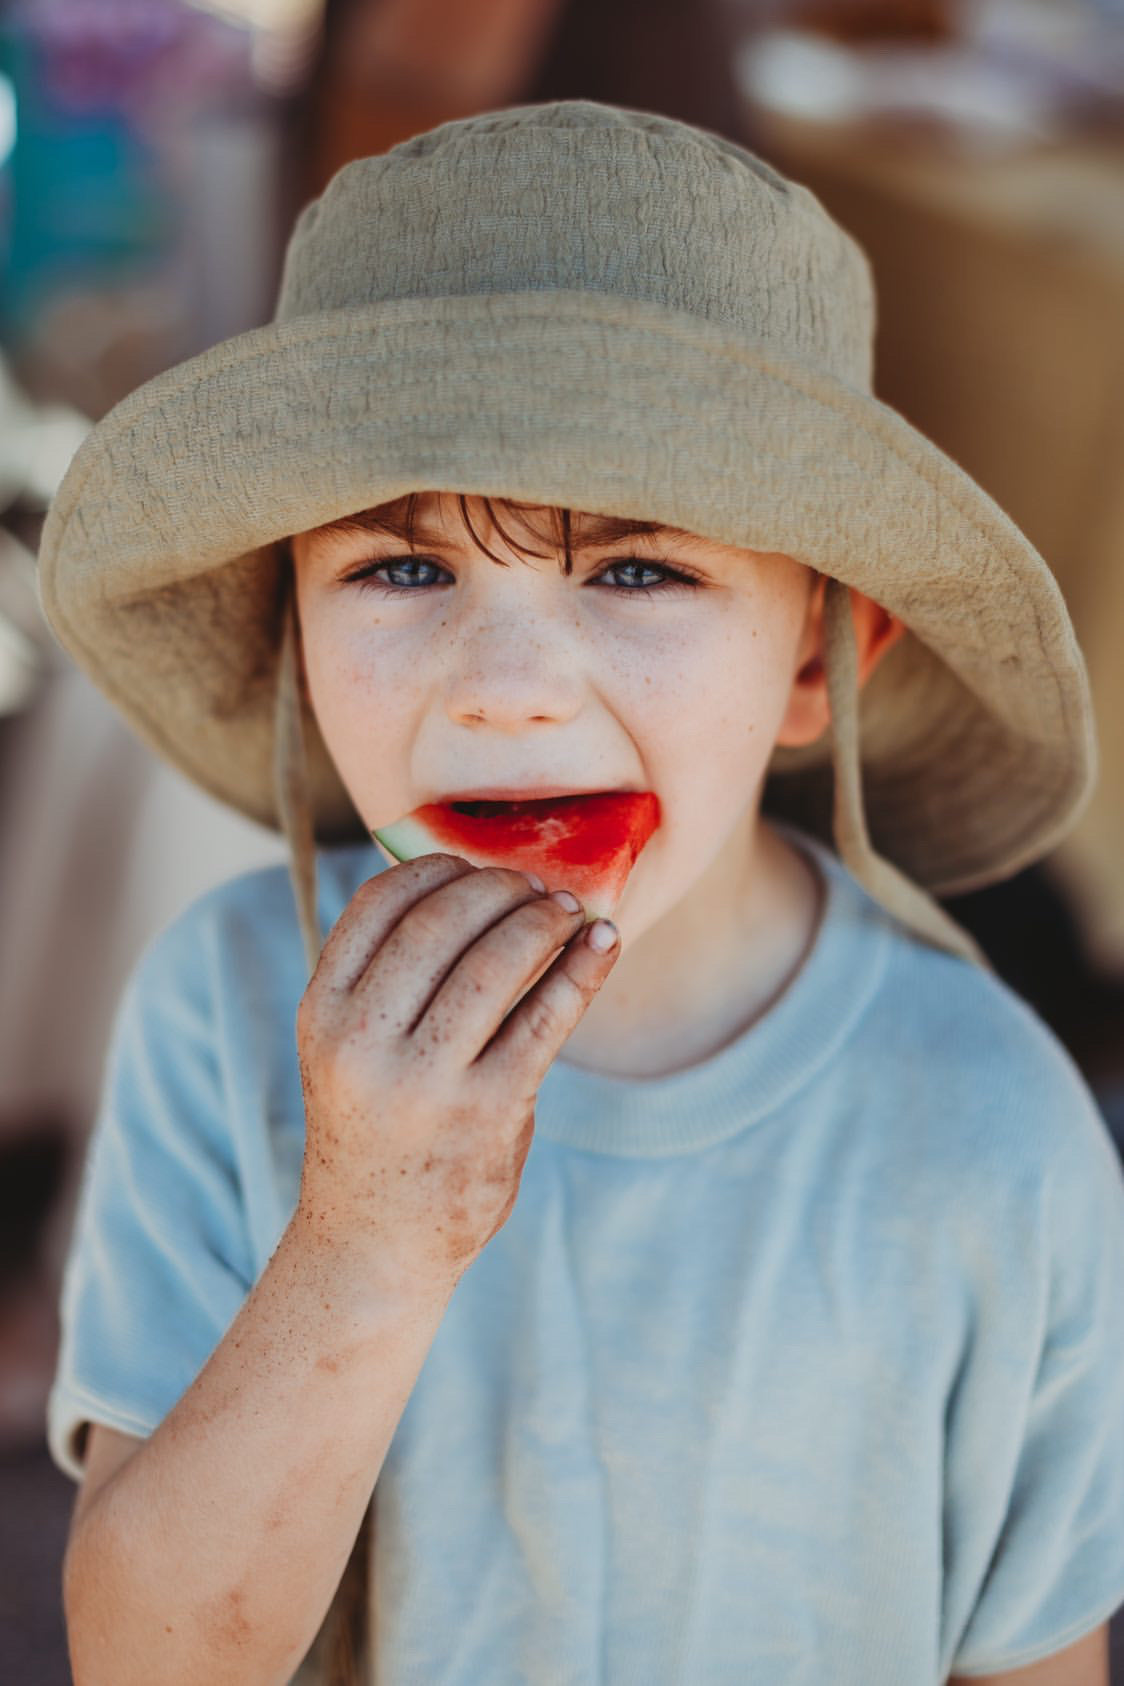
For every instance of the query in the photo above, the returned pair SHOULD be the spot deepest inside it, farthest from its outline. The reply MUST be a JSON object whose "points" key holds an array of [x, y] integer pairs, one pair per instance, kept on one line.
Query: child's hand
{"points": [[415, 1137]]}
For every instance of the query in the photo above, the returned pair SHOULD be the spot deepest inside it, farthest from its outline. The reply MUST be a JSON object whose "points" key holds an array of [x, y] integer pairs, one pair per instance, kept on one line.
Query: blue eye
{"points": [[674, 579], [367, 576]]}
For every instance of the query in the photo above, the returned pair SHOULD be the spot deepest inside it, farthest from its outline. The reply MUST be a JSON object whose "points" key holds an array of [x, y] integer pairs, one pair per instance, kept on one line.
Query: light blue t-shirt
{"points": [[804, 1364]]}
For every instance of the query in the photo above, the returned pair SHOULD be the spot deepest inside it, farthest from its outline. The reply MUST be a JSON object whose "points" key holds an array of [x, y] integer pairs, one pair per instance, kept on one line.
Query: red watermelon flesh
{"points": [[587, 844]]}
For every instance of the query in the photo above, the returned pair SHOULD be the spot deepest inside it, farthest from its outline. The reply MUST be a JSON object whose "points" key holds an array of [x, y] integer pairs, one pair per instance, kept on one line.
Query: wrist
{"points": [[359, 1270]]}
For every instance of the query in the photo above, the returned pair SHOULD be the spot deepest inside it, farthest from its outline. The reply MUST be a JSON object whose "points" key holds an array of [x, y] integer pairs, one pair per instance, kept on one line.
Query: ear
{"points": [[808, 714]]}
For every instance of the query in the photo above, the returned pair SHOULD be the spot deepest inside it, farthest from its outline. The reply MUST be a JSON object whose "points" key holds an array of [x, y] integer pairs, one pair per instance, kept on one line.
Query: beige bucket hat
{"points": [[571, 303]]}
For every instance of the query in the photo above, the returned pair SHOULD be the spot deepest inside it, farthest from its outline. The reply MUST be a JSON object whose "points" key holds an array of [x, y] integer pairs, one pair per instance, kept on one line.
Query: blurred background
{"points": [[153, 154]]}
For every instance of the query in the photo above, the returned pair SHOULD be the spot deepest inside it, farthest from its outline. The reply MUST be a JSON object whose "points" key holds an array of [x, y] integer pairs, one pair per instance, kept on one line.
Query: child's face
{"points": [[470, 675]]}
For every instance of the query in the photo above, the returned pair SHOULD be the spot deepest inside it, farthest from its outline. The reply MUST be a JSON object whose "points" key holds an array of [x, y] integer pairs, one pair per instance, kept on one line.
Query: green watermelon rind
{"points": [[406, 840]]}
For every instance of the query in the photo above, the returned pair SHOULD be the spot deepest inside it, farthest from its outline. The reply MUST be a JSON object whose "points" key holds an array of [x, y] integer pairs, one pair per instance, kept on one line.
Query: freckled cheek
{"points": [[355, 679], [725, 714], [345, 659]]}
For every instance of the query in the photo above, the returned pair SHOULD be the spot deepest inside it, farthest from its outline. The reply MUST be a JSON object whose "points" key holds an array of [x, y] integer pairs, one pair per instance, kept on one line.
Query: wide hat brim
{"points": [[160, 569]]}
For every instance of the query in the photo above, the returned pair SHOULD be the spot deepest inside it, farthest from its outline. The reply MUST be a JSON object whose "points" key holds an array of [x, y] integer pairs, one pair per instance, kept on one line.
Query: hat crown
{"points": [[574, 195]]}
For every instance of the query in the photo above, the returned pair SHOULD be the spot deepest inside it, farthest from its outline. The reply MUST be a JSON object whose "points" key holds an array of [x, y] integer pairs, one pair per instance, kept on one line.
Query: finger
{"points": [[430, 939], [499, 967], [532, 1035], [373, 912]]}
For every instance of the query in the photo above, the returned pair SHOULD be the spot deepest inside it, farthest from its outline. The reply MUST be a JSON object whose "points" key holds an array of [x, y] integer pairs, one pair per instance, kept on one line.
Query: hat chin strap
{"points": [[290, 781], [898, 894]]}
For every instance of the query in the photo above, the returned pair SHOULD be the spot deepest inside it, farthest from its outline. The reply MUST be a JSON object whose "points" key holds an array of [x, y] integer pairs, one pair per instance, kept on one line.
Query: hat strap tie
{"points": [[290, 781], [897, 893]]}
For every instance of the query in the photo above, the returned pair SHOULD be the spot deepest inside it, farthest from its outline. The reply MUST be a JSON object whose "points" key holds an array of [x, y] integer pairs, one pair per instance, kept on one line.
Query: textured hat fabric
{"points": [[574, 304]]}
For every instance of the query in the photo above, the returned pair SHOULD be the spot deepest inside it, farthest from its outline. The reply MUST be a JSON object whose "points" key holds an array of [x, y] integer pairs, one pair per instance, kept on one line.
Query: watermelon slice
{"points": [[587, 844]]}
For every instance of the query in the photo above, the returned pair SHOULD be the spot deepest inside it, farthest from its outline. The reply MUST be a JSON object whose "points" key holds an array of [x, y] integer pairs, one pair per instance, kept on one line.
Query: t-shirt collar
{"points": [[760, 1069]]}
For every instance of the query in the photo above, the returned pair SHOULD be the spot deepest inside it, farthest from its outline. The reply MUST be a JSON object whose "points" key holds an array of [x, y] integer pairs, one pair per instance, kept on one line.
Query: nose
{"points": [[509, 672]]}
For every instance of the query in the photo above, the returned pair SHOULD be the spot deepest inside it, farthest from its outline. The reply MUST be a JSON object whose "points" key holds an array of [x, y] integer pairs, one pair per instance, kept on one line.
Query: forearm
{"points": [[215, 1551]]}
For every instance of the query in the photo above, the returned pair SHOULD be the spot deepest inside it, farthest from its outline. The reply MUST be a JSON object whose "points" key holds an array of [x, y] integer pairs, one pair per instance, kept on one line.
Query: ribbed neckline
{"points": [[758, 1070]]}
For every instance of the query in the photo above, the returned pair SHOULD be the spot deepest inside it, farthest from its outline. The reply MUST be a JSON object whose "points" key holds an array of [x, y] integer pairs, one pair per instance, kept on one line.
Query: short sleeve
{"points": [[1057, 1568], [159, 1260]]}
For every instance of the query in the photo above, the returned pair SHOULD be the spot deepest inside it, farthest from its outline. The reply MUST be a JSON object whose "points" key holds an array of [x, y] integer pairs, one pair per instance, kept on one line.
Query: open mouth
{"points": [[587, 840], [480, 809]]}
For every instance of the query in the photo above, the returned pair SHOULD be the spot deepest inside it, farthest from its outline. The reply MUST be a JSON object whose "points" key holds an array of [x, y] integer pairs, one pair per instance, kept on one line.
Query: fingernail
{"points": [[534, 881], [603, 935], [566, 900]]}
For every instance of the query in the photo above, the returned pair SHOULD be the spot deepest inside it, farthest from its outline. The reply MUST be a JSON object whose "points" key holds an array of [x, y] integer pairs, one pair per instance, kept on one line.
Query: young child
{"points": [[741, 1302]]}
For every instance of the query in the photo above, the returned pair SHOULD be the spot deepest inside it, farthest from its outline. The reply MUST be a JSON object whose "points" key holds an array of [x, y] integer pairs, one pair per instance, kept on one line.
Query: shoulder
{"points": [[970, 1029], [989, 1087], [262, 898], [246, 927], [984, 1164], [937, 1065], [941, 1035]]}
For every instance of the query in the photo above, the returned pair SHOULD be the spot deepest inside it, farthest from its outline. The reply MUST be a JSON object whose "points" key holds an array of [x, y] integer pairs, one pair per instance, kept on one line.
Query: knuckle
{"points": [[507, 875], [308, 1016], [434, 860], [491, 968], [439, 870], [552, 1010], [424, 922], [423, 872], [572, 997], [344, 1065], [371, 890], [354, 1081], [542, 1020], [545, 914]]}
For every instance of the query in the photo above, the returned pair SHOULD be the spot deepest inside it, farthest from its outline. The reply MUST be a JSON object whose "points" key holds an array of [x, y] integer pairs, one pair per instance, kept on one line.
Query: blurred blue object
{"points": [[83, 197], [99, 86], [7, 119]]}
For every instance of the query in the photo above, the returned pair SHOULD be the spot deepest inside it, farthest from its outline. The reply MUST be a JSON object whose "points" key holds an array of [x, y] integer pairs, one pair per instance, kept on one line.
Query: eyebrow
{"points": [[588, 531]]}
